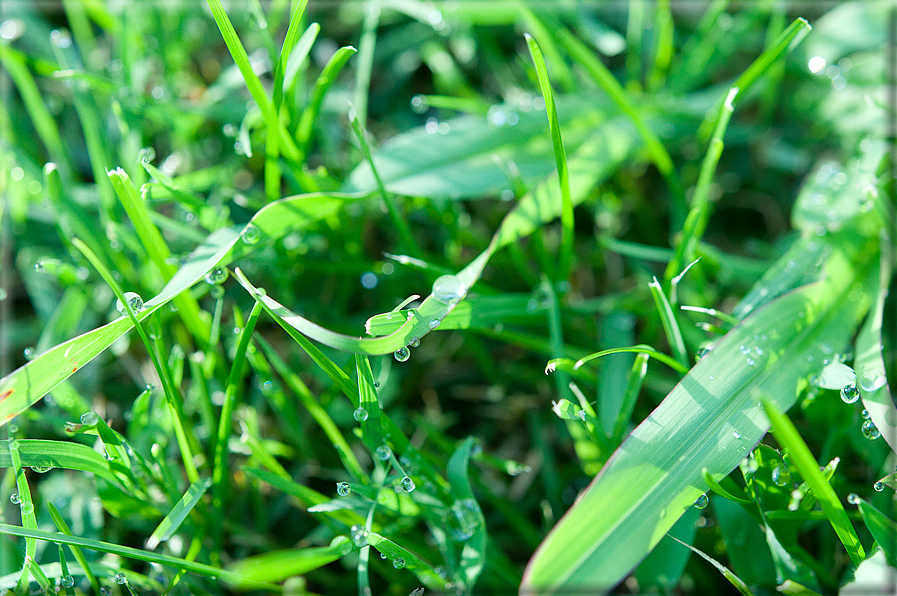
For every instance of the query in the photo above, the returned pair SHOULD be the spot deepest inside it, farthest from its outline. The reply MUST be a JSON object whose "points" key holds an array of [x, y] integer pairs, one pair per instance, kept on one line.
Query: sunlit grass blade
{"points": [[699, 211], [170, 524], [58, 454], [786, 434], [670, 324], [882, 528], [473, 554], [326, 79], [289, 43], [567, 364], [718, 489], [277, 566], [26, 508], [402, 558], [633, 387], [137, 555], [565, 254], [368, 404], [37, 573]]}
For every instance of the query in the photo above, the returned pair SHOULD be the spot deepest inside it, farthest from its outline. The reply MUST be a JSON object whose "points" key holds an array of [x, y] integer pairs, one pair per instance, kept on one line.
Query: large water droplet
{"points": [[870, 431], [702, 502], [463, 520], [872, 380], [360, 414], [14, 499], [89, 418], [781, 476], [879, 486], [448, 289], [68, 581], [27, 508], [343, 489], [383, 452], [216, 276], [28, 353], [398, 562], [434, 323], [120, 578], [407, 484], [250, 234], [41, 469], [402, 354], [134, 301], [359, 535], [849, 394]]}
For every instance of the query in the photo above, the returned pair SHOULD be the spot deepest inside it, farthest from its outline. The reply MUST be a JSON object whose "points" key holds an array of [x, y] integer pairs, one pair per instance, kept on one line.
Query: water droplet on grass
{"points": [[41, 469], [383, 452], [343, 489], [853, 499], [781, 476], [359, 536], [849, 394], [408, 484], [120, 578], [702, 502], [879, 486], [360, 414], [89, 418], [870, 431], [68, 581], [14, 499], [382, 555], [134, 301], [250, 234], [402, 354], [865, 414], [434, 323], [28, 353], [448, 289], [463, 520], [872, 380], [27, 508], [216, 292], [216, 276], [398, 562]]}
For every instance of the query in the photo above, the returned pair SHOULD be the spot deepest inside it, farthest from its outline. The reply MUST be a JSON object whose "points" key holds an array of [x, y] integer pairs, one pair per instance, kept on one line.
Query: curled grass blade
{"points": [[568, 364], [670, 324], [801, 457], [565, 258]]}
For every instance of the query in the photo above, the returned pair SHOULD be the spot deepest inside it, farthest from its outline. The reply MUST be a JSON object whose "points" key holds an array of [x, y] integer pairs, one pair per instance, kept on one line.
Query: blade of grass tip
{"points": [[156, 248], [606, 81], [220, 467], [253, 83], [801, 457], [136, 554], [560, 155], [38, 574], [326, 79], [63, 570], [365, 62], [718, 489], [699, 212], [76, 550], [544, 38], [368, 412], [789, 37], [674, 285], [173, 402], [639, 349], [318, 413], [26, 508], [670, 325], [663, 44], [169, 525], [722, 316], [405, 235], [289, 42]]}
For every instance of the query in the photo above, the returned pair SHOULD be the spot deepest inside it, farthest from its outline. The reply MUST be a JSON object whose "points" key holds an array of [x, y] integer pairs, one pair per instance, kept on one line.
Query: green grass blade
{"points": [[567, 364], [58, 454], [663, 44], [371, 426], [565, 257], [138, 555], [38, 574], [786, 434], [326, 79], [718, 489], [633, 387], [882, 528], [170, 524], [727, 573], [699, 212], [412, 562], [670, 324], [277, 566], [307, 497], [26, 508], [365, 63], [710, 420], [473, 555], [289, 43], [76, 550]]}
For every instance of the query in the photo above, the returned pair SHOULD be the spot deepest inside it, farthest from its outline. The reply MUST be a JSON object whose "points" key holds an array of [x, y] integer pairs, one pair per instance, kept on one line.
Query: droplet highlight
{"points": [[134, 301]]}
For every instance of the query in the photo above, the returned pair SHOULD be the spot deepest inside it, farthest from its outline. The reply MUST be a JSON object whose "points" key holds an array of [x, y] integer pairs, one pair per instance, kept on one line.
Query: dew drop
{"points": [[870, 431], [134, 301], [216, 276], [383, 452], [448, 289], [780, 476], [865, 414], [434, 323], [41, 469], [120, 578], [702, 502], [736, 434], [382, 555], [14, 499], [68, 581], [853, 499], [250, 234], [90, 418], [849, 394], [582, 415], [879, 486], [415, 342], [407, 484], [402, 354], [745, 350], [398, 562], [216, 292], [105, 591], [359, 535], [27, 508], [360, 414], [343, 489], [872, 380], [28, 353]]}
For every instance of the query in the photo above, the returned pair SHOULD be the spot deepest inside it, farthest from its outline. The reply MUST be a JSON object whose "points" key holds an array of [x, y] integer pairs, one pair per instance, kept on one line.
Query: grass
{"points": [[358, 267]]}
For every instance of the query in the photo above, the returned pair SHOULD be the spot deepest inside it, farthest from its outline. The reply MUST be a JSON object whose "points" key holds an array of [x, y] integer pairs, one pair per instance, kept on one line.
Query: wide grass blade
{"points": [[882, 528], [277, 566], [42, 453], [710, 420]]}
